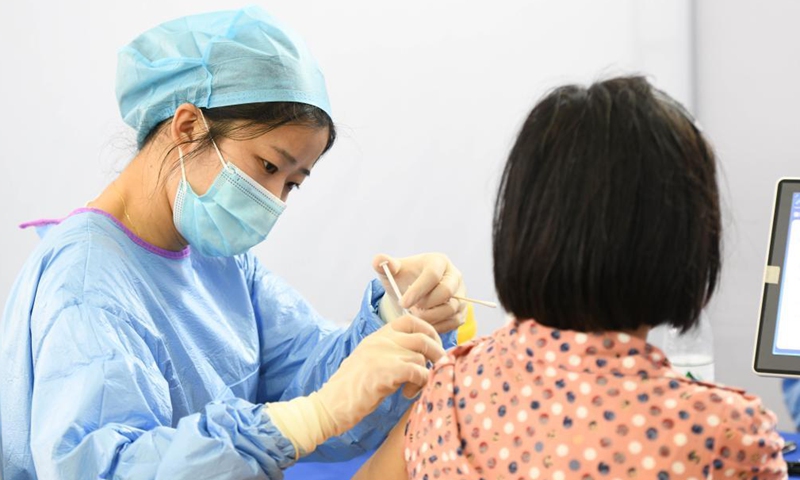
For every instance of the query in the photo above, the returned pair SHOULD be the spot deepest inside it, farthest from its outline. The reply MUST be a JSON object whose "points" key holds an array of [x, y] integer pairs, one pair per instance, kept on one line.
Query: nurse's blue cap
{"points": [[214, 60]]}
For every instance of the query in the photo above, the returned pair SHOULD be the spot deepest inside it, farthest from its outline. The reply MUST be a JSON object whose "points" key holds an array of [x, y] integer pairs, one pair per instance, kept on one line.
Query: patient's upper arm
{"points": [[436, 404], [388, 462]]}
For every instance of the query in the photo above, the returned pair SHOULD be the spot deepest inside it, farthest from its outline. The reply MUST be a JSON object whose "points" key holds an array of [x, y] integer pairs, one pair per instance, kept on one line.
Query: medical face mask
{"points": [[234, 215]]}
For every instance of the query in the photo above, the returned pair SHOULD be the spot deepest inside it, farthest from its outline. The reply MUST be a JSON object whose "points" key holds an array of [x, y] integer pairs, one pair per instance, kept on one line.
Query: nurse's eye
{"points": [[293, 186], [270, 167]]}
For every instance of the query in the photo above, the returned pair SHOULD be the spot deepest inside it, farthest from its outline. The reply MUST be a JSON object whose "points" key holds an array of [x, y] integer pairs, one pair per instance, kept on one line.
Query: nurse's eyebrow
{"points": [[289, 158]]}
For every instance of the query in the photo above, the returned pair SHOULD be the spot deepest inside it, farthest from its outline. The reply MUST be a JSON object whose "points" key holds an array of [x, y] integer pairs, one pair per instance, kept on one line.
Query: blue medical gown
{"points": [[123, 361]]}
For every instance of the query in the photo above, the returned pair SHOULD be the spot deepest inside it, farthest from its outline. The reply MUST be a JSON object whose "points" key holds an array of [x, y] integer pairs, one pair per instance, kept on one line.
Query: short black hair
{"points": [[607, 217]]}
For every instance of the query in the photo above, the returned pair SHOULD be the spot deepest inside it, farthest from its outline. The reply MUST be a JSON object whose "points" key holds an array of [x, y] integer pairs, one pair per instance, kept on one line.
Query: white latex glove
{"points": [[394, 355], [428, 283]]}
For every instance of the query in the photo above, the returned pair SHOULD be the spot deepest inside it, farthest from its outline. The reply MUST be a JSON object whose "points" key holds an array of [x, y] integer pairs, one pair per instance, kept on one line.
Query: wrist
{"points": [[304, 421]]}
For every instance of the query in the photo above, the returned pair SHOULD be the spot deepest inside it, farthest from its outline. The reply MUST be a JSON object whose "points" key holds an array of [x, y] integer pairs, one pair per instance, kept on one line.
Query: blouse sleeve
{"points": [[433, 430], [747, 444]]}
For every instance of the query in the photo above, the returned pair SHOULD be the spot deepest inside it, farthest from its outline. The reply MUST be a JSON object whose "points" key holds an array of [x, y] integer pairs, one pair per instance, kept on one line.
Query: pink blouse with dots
{"points": [[532, 402]]}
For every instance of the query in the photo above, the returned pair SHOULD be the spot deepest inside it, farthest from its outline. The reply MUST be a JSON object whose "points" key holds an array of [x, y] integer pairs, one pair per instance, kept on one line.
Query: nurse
{"points": [[142, 339]]}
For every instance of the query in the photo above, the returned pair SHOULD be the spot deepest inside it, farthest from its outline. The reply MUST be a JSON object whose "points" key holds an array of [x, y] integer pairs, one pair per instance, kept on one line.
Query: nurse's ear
{"points": [[186, 124]]}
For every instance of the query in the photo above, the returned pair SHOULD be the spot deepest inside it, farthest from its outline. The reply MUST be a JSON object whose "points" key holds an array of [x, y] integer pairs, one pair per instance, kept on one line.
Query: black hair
{"points": [[607, 217]]}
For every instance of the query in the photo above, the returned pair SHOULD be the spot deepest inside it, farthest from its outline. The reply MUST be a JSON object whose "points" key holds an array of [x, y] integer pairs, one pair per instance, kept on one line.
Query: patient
{"points": [[607, 224]]}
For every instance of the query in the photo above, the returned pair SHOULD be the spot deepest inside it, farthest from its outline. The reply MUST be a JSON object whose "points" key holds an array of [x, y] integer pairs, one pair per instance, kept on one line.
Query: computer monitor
{"points": [[777, 349]]}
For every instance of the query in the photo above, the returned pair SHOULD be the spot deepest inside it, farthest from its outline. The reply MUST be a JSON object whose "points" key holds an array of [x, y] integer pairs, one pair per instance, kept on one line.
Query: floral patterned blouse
{"points": [[533, 402]]}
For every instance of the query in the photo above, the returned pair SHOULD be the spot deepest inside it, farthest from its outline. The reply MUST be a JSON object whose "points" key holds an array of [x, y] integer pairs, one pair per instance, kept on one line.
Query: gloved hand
{"points": [[394, 355], [428, 283]]}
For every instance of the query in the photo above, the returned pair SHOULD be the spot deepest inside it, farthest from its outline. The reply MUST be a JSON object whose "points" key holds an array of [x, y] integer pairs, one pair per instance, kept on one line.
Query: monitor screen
{"points": [[777, 349], [787, 335]]}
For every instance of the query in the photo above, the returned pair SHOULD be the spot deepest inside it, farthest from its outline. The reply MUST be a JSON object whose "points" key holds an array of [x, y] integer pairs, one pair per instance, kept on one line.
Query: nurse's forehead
{"points": [[297, 145], [290, 158]]}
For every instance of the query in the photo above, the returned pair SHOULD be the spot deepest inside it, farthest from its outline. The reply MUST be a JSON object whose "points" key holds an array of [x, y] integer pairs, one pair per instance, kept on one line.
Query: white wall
{"points": [[427, 95], [748, 71]]}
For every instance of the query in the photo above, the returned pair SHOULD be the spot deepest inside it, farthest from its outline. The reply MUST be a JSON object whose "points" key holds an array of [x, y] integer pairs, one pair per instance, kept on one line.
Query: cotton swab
{"points": [[385, 266], [478, 302]]}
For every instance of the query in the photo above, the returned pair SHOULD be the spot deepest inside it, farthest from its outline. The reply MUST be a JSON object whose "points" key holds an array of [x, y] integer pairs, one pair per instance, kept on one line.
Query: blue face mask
{"points": [[234, 215]]}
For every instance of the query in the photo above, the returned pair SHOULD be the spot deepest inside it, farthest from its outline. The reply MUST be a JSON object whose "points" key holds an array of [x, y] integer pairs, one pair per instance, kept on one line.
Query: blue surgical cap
{"points": [[214, 60]]}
